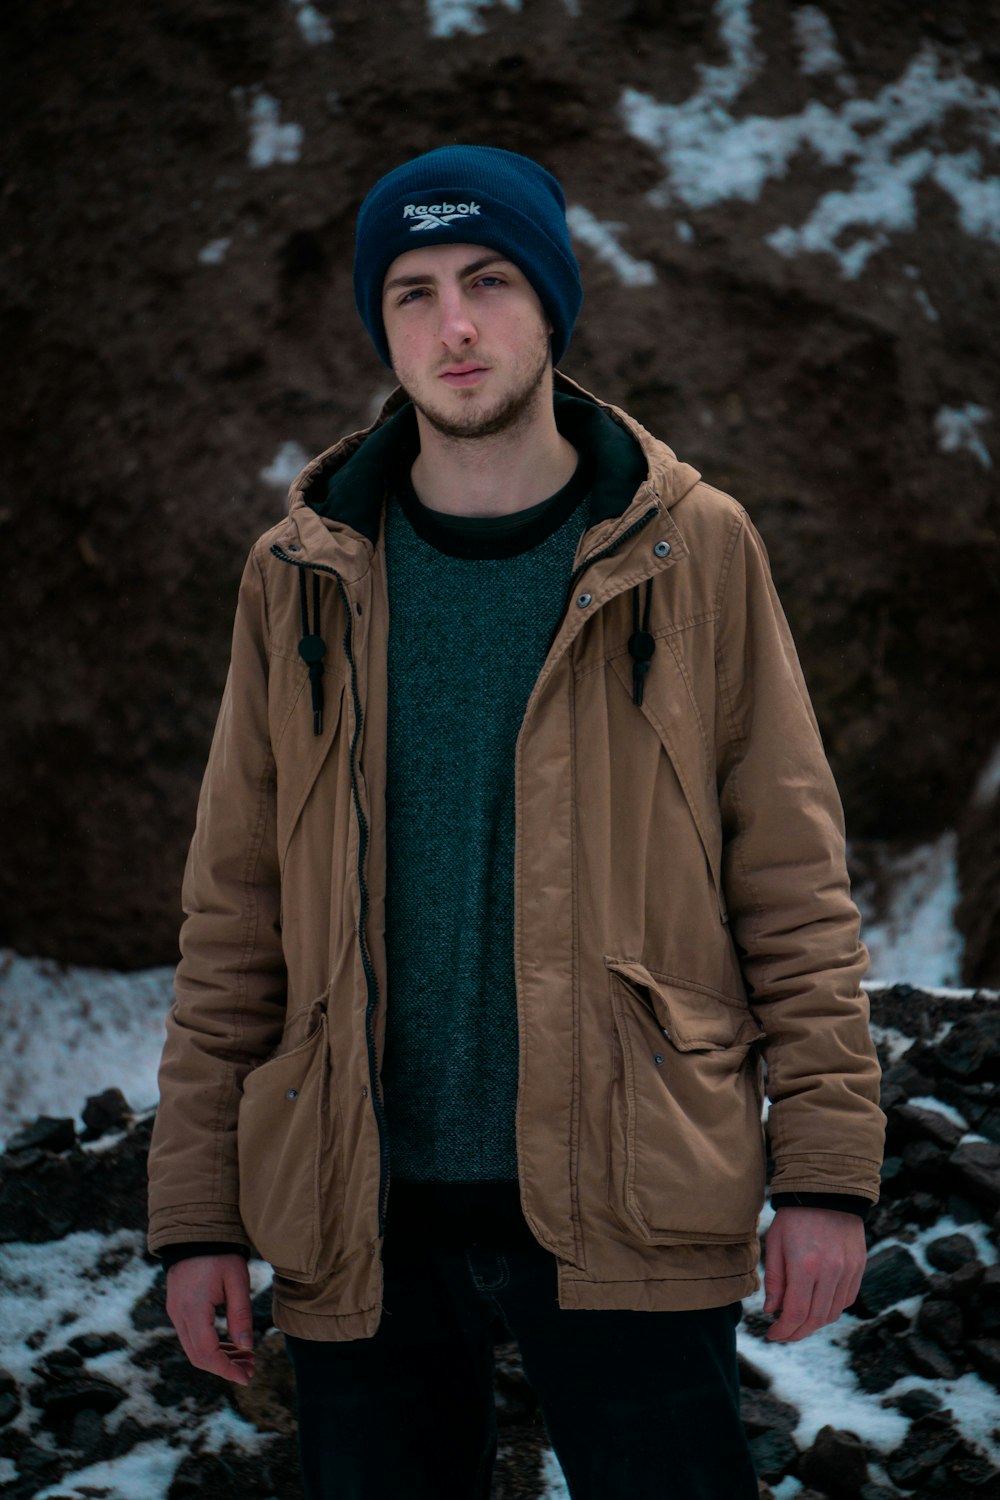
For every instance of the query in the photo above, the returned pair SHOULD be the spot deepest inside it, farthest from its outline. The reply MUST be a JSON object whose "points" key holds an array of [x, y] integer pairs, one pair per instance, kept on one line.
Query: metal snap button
{"points": [[658, 1058], [583, 600], [662, 549], [294, 547], [291, 1093]]}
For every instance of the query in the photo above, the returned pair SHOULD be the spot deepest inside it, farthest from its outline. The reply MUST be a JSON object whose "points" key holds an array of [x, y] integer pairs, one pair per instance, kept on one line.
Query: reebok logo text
{"points": [[437, 215]]}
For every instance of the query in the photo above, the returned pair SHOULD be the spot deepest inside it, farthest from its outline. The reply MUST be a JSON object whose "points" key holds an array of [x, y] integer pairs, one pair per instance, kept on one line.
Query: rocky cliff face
{"points": [[788, 220]]}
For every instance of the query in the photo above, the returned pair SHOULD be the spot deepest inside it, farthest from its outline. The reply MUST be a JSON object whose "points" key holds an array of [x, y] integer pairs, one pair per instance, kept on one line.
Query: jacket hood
{"points": [[347, 483]]}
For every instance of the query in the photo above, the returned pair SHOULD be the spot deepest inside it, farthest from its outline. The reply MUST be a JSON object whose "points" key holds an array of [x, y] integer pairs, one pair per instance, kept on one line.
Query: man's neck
{"points": [[493, 476]]}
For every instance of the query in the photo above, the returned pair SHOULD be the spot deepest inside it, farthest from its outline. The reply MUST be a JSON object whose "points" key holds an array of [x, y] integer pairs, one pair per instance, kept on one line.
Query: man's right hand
{"points": [[195, 1287]]}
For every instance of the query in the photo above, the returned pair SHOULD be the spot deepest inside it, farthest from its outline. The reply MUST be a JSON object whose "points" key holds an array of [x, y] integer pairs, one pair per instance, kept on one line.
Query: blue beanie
{"points": [[473, 195]]}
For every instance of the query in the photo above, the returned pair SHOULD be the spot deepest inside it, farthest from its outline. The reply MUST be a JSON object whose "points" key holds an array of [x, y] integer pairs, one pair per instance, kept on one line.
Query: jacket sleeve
{"points": [[230, 986], [791, 915]]}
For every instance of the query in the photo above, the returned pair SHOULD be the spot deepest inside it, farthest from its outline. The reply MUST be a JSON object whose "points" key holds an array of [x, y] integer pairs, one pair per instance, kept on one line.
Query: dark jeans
{"points": [[643, 1405]]}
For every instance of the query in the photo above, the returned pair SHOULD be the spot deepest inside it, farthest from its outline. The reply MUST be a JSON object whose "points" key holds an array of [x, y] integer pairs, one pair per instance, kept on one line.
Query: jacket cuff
{"points": [[171, 1254], [843, 1202]]}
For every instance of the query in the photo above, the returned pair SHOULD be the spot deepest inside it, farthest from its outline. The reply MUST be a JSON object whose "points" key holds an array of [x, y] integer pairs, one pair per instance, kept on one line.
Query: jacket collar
{"points": [[342, 490]]}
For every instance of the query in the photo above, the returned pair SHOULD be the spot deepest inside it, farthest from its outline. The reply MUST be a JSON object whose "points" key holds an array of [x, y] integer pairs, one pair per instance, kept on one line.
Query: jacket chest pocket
{"points": [[290, 1168], [686, 1156]]}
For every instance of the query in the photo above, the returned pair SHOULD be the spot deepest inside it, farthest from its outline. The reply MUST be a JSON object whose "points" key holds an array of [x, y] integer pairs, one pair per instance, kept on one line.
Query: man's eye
{"points": [[491, 280], [408, 296]]}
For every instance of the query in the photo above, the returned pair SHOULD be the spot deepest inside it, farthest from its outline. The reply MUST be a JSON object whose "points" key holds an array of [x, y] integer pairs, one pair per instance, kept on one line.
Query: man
{"points": [[517, 856]]}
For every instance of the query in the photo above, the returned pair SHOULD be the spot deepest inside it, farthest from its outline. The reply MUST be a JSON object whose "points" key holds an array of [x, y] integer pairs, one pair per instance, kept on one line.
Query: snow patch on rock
{"points": [[271, 142], [816, 41], [290, 459], [601, 236], [957, 430], [214, 253], [313, 25], [449, 17], [711, 155], [915, 940]]}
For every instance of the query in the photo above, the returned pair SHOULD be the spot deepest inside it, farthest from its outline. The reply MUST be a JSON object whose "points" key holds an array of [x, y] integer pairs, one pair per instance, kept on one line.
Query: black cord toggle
{"points": [[640, 643], [312, 649]]}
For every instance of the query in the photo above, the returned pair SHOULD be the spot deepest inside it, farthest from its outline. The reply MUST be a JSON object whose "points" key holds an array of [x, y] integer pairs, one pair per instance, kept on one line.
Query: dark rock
{"points": [[972, 1047], [917, 1403], [961, 1209], [44, 1134], [106, 1111], [762, 1412], [103, 1190], [913, 1122], [61, 1402], [925, 1207], [151, 1310], [752, 1378], [58, 1363], [875, 1354], [87, 1432], [950, 1251], [977, 1164], [890, 1276], [10, 1405], [985, 1357], [774, 1455], [925, 1163], [942, 1321], [260, 1311], [89, 1345], [835, 1463], [964, 1283], [928, 1442], [928, 1358]]}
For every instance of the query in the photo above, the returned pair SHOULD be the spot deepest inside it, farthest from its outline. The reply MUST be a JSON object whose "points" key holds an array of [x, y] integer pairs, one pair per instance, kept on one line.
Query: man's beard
{"points": [[506, 415]]}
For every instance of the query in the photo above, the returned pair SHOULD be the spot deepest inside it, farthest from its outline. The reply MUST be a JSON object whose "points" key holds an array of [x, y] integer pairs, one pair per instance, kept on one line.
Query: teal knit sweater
{"points": [[473, 605]]}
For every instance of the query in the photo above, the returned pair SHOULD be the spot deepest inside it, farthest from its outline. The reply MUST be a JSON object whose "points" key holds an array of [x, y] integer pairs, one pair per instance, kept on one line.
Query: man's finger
{"points": [[774, 1269], [239, 1314], [795, 1316]]}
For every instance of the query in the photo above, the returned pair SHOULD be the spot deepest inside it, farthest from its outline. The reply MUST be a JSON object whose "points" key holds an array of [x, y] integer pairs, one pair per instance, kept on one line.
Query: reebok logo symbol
{"points": [[437, 215]]}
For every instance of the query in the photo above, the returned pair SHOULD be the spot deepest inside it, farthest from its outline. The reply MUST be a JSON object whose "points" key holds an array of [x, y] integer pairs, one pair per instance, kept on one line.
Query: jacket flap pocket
{"points": [[691, 1018]]}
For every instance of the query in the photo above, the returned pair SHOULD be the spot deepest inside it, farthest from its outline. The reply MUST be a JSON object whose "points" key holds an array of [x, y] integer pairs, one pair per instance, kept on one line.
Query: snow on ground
{"points": [[271, 142], [88, 1283], [889, 144], [915, 939], [957, 430], [109, 1028], [556, 1487], [814, 1374], [602, 239], [289, 461]]}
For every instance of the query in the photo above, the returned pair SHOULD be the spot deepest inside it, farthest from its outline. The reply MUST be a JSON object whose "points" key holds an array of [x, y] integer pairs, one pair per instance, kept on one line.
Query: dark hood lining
{"points": [[354, 492]]}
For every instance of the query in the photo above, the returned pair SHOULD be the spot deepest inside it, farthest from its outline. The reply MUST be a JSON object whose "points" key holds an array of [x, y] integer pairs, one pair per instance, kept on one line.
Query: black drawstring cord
{"points": [[640, 642], [312, 648]]}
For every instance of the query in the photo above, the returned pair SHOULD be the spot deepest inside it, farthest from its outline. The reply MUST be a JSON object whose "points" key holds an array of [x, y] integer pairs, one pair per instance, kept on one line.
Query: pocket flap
{"points": [[692, 1019]]}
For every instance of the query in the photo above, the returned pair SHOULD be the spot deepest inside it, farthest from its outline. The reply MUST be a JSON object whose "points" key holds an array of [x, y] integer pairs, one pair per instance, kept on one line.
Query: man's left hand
{"points": [[814, 1259]]}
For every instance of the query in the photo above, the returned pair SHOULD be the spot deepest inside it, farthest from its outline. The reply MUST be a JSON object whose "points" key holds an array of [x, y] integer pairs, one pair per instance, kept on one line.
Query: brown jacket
{"points": [[682, 914]]}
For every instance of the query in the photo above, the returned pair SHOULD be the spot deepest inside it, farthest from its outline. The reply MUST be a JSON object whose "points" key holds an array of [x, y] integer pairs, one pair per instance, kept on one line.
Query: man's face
{"points": [[468, 337]]}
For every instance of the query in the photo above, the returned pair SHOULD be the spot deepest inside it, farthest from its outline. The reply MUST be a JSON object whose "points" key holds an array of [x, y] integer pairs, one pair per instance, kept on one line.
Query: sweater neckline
{"points": [[501, 536]]}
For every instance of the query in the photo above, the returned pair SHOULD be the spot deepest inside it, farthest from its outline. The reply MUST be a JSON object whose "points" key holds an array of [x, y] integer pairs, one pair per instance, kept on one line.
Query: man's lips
{"points": [[462, 374]]}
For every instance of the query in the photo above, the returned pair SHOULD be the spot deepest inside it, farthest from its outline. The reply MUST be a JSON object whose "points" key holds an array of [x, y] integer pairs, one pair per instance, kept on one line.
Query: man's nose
{"points": [[457, 326]]}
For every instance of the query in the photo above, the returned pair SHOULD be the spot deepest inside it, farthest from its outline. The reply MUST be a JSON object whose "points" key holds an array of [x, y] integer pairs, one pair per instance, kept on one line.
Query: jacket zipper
{"points": [[371, 980]]}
